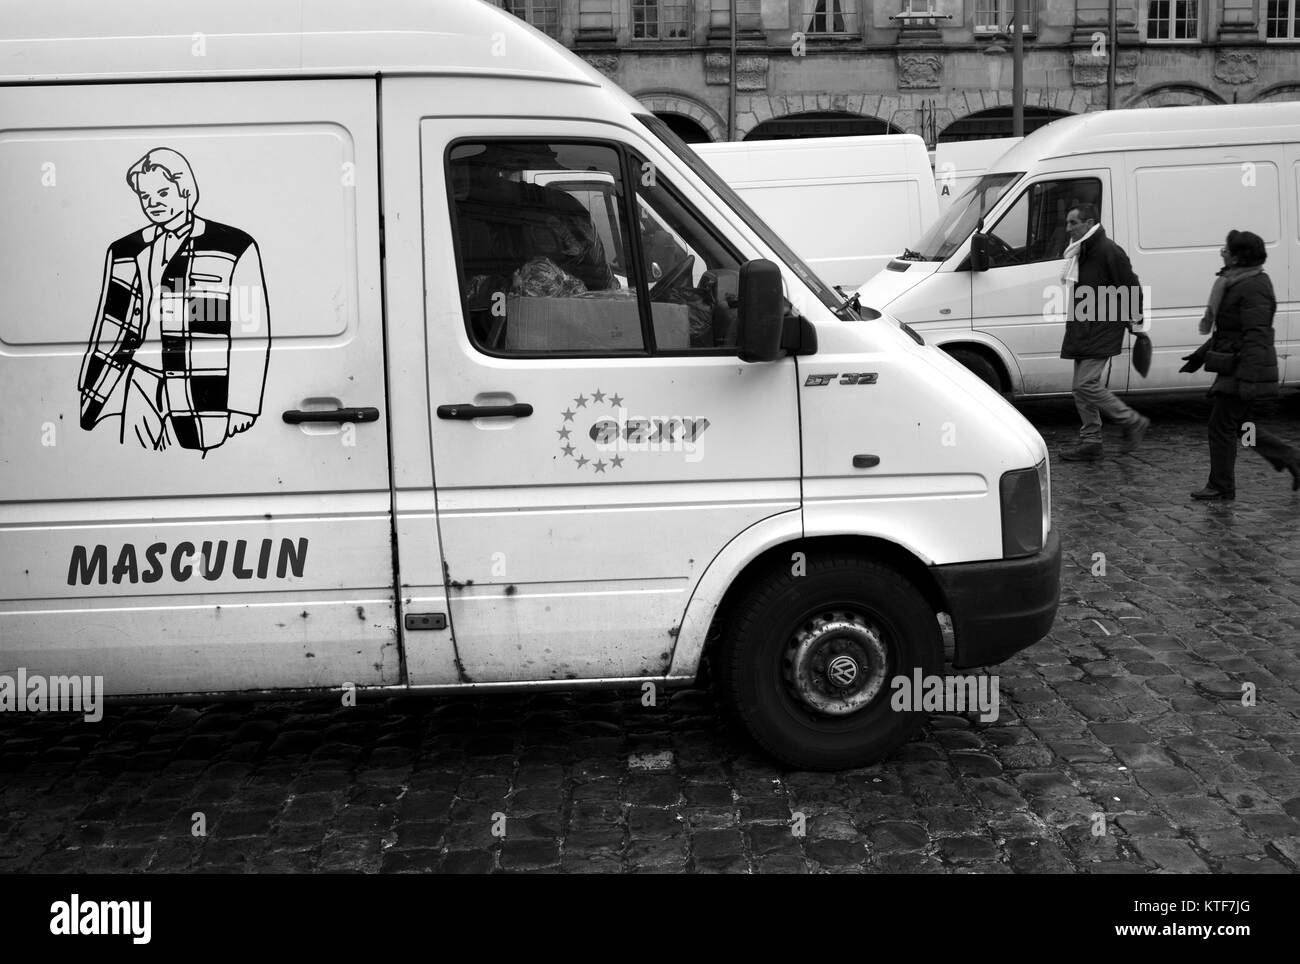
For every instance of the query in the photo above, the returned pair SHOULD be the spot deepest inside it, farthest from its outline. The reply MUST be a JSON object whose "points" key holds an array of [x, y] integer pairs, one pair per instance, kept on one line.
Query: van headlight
{"points": [[1045, 490], [1026, 510]]}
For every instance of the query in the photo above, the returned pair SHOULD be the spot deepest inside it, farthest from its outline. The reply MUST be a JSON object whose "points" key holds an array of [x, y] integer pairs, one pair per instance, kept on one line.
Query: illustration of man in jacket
{"points": [[1106, 299], [174, 294]]}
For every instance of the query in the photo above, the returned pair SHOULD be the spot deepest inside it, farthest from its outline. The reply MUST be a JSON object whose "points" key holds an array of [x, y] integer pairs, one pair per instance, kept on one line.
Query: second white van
{"points": [[984, 281]]}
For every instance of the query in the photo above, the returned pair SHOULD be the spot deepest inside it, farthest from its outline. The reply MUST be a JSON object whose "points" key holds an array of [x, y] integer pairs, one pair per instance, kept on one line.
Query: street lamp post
{"points": [[1017, 71], [995, 53], [731, 97]]}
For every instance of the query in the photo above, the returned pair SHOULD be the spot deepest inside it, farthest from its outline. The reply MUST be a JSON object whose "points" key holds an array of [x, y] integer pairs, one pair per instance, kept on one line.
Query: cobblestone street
{"points": [[1122, 746]]}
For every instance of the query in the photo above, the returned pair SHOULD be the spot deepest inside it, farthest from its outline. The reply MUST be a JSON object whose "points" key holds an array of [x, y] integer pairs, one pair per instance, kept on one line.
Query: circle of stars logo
{"points": [[570, 434]]}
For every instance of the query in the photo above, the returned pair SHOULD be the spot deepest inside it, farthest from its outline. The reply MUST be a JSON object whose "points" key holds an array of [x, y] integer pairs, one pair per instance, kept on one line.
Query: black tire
{"points": [[782, 624], [980, 366]]}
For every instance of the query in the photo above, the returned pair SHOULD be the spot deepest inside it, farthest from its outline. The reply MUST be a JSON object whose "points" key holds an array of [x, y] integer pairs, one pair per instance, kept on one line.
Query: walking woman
{"points": [[1239, 320]]}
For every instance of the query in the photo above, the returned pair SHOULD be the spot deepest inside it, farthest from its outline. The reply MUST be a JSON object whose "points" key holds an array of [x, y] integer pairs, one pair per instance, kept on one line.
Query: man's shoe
{"points": [[1135, 433], [1083, 452], [1208, 494]]}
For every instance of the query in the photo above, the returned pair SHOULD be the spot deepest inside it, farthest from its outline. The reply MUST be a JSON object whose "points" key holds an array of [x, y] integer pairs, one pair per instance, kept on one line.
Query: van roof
{"points": [[91, 40], [1147, 128]]}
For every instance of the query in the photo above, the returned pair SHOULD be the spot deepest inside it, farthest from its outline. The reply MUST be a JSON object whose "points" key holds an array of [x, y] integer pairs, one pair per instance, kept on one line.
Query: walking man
{"points": [[1105, 301]]}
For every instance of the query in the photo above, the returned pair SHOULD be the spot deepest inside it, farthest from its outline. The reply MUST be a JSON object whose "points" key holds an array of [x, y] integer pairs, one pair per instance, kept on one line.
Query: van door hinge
{"points": [[426, 620]]}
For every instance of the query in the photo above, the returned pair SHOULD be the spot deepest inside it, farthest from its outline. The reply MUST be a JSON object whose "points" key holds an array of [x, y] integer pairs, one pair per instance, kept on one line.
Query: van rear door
{"points": [[193, 428], [1287, 283]]}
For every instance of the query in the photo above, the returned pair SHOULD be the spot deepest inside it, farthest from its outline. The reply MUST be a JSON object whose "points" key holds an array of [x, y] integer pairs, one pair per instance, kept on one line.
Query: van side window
{"points": [[690, 271], [1033, 229], [542, 247]]}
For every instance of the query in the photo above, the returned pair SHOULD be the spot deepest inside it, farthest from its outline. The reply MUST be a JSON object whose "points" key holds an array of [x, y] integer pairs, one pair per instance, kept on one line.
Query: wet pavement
{"points": [[1156, 729]]}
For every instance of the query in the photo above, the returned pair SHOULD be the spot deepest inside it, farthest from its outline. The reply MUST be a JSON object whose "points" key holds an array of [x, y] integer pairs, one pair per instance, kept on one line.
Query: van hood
{"points": [[987, 399], [887, 284]]}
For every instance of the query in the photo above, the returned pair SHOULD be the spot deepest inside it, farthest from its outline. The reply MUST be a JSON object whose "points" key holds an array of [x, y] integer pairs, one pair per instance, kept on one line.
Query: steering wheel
{"points": [[672, 277], [1003, 249]]}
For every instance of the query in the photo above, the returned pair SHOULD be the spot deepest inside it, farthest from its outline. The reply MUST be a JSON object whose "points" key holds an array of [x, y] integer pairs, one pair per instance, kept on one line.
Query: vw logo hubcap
{"points": [[842, 671]]}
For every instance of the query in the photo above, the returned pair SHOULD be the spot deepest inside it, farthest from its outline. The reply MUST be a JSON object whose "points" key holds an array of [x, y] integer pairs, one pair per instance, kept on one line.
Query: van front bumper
{"points": [[998, 608]]}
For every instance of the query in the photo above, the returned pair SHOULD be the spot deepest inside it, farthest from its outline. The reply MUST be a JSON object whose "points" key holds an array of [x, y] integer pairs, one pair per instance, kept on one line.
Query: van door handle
{"points": [[866, 461], [296, 417], [467, 411]]}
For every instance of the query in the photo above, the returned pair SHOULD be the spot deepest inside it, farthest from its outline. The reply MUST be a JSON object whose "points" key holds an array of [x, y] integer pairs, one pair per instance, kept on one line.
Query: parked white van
{"points": [[307, 385], [1169, 184], [846, 205], [957, 165]]}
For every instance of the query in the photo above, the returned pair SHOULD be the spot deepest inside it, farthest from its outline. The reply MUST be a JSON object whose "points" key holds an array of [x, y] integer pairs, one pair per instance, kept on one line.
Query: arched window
{"points": [[996, 122], [820, 124]]}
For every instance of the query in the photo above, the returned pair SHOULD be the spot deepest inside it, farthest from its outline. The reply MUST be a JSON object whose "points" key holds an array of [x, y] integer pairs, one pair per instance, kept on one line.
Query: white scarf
{"points": [[1070, 274]]}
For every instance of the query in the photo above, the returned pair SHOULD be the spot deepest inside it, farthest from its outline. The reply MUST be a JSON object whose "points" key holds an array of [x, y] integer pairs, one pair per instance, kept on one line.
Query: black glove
{"points": [[1196, 360]]}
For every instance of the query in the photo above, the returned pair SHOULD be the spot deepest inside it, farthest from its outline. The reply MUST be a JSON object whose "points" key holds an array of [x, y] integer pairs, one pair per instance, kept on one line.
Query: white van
{"points": [[307, 385], [957, 164], [1169, 185], [846, 205]]}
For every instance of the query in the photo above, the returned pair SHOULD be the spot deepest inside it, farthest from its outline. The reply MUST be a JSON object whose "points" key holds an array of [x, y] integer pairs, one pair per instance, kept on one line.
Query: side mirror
{"points": [[760, 311], [979, 252]]}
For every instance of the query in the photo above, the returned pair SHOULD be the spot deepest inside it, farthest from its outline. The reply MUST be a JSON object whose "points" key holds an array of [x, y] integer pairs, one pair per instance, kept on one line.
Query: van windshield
{"points": [[946, 235], [710, 177]]}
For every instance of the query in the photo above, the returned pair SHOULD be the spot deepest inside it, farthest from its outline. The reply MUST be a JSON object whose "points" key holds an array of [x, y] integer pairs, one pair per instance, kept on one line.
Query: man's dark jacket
{"points": [[1104, 269], [1244, 327]]}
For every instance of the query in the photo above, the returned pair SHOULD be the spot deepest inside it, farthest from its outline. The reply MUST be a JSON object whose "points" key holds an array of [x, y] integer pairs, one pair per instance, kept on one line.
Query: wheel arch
{"points": [[707, 610], [1005, 366]]}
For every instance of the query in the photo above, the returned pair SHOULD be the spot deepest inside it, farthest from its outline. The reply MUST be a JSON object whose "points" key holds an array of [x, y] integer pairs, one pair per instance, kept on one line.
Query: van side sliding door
{"points": [[193, 428], [1181, 206]]}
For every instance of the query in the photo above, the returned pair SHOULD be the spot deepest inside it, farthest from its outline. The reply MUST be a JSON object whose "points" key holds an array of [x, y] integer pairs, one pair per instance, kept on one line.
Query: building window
{"points": [[830, 16], [994, 16], [1282, 20], [662, 19], [1173, 20], [542, 14]]}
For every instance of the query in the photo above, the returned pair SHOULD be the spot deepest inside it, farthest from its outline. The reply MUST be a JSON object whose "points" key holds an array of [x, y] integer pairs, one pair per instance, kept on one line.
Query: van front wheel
{"points": [[807, 661]]}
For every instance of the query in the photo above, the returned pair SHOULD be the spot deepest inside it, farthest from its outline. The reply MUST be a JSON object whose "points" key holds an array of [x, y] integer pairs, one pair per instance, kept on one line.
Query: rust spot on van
{"points": [[310, 655], [361, 613], [303, 614], [453, 584], [266, 515], [511, 590], [674, 631]]}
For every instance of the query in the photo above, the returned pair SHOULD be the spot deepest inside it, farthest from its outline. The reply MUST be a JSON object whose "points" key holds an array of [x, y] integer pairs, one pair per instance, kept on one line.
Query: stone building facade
{"points": [[853, 66]]}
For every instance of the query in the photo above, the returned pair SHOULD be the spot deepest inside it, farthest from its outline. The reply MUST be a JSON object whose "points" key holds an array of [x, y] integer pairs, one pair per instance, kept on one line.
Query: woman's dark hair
{"points": [[1247, 247]]}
